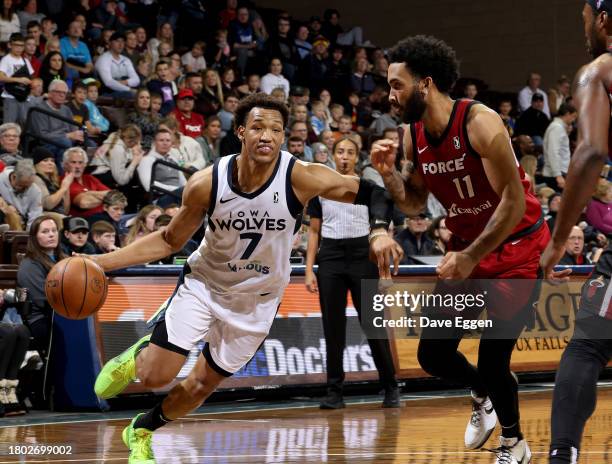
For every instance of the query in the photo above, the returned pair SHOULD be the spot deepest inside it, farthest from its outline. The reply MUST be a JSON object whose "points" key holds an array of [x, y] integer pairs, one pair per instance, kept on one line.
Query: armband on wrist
{"points": [[379, 224]]}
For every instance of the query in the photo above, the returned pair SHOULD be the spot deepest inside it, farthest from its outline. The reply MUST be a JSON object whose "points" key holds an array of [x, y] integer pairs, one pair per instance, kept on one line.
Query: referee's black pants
{"points": [[343, 263]]}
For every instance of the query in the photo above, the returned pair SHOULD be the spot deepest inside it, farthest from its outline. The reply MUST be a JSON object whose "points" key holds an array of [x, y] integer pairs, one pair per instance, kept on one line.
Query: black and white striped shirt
{"points": [[340, 220]]}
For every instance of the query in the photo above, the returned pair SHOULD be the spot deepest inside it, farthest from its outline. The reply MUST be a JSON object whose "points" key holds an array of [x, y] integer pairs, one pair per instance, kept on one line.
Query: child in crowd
{"points": [[337, 111], [103, 235], [96, 117], [318, 121], [156, 104]]}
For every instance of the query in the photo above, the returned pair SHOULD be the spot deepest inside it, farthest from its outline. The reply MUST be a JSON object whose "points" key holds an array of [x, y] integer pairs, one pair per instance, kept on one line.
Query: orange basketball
{"points": [[76, 287]]}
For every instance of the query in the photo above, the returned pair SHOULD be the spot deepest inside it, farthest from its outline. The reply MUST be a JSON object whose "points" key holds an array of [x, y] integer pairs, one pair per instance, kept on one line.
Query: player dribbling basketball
{"points": [[232, 285]]}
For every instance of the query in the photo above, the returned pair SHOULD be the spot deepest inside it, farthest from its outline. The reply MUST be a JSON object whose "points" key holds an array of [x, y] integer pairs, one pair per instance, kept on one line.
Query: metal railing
{"points": [[28, 135], [162, 191]]}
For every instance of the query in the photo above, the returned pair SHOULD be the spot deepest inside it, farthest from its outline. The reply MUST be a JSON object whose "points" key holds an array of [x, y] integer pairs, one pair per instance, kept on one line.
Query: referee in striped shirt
{"points": [[343, 260]]}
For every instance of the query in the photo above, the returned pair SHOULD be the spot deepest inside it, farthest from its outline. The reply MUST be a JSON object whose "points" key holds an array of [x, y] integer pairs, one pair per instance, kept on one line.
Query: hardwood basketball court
{"points": [[427, 429]]}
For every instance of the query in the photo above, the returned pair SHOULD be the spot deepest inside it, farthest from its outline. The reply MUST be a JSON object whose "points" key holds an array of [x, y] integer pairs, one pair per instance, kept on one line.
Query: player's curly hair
{"points": [[427, 56], [259, 100]]}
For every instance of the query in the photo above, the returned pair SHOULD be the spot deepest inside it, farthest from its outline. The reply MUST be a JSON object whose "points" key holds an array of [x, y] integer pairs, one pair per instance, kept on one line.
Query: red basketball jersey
{"points": [[454, 173]]}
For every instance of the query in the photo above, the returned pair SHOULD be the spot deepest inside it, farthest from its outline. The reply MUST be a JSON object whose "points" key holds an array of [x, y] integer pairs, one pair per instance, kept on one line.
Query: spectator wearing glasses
{"points": [[574, 249], [59, 134], [440, 234], [18, 190], [10, 137]]}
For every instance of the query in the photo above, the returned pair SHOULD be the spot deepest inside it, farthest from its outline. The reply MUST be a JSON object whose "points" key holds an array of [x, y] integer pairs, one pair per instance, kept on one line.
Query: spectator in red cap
{"points": [[191, 124]]}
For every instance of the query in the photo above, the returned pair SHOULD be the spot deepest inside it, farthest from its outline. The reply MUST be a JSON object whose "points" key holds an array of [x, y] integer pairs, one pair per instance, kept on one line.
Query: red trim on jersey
{"points": [[453, 171]]}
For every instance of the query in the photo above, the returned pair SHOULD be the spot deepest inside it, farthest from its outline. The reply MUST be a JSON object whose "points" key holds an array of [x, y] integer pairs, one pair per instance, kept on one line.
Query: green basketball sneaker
{"points": [[119, 372], [139, 443]]}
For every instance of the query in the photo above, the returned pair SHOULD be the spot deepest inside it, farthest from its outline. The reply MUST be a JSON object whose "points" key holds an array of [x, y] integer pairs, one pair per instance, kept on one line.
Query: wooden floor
{"points": [[422, 431]]}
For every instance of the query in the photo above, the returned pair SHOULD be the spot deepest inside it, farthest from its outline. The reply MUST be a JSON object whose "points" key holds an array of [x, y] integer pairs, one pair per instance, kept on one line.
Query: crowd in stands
{"points": [[109, 106]]}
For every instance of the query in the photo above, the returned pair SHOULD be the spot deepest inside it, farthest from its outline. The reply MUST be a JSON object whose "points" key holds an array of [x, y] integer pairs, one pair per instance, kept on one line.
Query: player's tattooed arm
{"points": [[158, 245], [407, 188], [490, 139]]}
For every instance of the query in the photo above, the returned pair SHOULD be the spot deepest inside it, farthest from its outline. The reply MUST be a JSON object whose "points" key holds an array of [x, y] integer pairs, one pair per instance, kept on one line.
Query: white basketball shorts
{"points": [[233, 325]]}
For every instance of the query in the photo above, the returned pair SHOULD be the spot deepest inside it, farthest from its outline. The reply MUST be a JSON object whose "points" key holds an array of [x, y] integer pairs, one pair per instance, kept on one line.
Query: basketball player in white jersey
{"points": [[232, 285]]}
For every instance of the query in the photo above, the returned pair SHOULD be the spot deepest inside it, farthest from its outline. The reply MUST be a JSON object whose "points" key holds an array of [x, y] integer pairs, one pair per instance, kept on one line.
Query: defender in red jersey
{"points": [[460, 151], [590, 348]]}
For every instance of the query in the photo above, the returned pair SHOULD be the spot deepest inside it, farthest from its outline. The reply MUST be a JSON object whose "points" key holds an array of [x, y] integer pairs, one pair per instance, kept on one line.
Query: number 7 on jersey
{"points": [[254, 240]]}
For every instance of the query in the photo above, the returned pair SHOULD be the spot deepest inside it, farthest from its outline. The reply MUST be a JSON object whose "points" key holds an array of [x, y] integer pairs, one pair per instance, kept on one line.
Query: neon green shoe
{"points": [[119, 372], [139, 443]]}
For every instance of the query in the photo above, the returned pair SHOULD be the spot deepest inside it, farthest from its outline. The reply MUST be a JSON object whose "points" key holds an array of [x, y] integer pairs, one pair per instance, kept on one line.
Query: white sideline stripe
{"points": [[309, 406], [242, 456], [224, 420], [314, 405]]}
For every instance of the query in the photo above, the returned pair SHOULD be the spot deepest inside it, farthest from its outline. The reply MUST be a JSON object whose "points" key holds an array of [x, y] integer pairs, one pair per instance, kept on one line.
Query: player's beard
{"points": [[595, 46], [414, 108]]}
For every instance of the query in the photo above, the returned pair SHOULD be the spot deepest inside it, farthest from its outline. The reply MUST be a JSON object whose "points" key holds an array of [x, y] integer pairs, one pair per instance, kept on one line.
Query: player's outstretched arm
{"points": [[158, 245], [407, 189], [490, 139], [310, 180]]}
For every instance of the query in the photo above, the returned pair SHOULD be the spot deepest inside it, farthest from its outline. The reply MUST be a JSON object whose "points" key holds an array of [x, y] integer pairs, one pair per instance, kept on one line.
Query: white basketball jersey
{"points": [[248, 241]]}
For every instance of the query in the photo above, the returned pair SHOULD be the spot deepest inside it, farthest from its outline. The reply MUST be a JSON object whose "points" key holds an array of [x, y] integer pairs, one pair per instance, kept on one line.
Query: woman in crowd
{"points": [[43, 251], [52, 67], [228, 78], [251, 86], [211, 147], [55, 193], [328, 139], [165, 33], [440, 234], [212, 92], [599, 210], [380, 71], [116, 168], [142, 117], [143, 224], [188, 150], [559, 94], [9, 21], [320, 153], [144, 68], [325, 98], [343, 263], [260, 32]]}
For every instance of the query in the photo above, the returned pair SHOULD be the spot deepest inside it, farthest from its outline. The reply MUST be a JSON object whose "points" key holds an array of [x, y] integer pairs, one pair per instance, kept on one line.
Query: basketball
{"points": [[76, 287]]}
